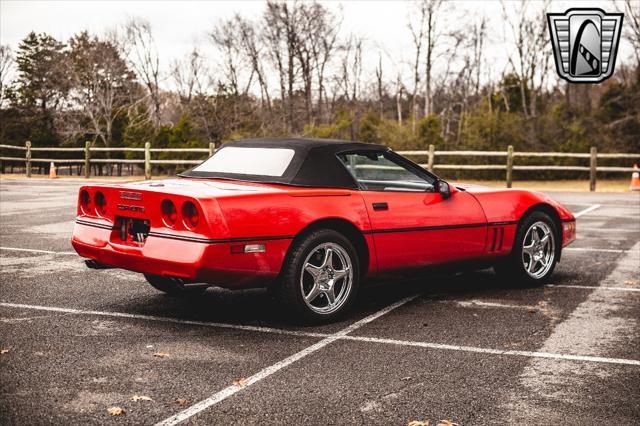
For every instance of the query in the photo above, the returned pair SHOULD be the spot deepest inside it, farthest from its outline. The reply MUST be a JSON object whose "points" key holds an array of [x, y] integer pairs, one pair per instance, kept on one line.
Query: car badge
{"points": [[126, 195], [585, 43]]}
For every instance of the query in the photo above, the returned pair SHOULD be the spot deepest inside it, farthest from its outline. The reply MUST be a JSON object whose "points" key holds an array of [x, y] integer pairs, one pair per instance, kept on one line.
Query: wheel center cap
{"points": [[539, 252], [325, 278]]}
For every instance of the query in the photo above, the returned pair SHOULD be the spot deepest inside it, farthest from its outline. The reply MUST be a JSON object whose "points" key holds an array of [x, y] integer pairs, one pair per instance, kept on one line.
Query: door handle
{"points": [[380, 206]]}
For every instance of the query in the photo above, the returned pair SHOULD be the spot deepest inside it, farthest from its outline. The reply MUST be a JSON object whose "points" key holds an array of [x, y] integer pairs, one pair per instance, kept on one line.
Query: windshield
{"points": [[248, 161]]}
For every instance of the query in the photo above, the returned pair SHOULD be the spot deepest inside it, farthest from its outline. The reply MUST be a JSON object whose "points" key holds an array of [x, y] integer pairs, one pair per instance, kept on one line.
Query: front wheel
{"points": [[534, 254], [320, 277]]}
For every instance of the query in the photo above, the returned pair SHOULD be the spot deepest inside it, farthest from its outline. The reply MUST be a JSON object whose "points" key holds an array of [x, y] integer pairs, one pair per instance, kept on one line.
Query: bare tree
{"points": [[281, 26], [310, 23], [380, 87], [433, 33], [273, 33], [321, 30], [417, 33], [478, 39], [190, 76], [425, 33], [632, 20], [226, 37], [350, 77], [145, 60], [102, 87], [6, 62], [530, 58], [253, 53], [399, 89]]}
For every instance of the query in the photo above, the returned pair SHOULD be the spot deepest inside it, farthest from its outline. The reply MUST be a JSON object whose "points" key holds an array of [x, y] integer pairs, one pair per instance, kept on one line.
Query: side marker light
{"points": [[248, 248]]}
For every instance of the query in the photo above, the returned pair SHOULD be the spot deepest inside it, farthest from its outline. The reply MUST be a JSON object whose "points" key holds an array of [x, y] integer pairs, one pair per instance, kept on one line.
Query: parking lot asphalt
{"points": [[76, 342]]}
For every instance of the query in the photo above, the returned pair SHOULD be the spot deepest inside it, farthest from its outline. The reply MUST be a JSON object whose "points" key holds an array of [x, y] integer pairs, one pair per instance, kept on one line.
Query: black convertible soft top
{"points": [[314, 163]]}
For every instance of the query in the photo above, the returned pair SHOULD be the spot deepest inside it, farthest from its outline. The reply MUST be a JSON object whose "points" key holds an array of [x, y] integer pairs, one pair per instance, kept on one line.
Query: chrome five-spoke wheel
{"points": [[320, 278], [327, 277], [538, 250]]}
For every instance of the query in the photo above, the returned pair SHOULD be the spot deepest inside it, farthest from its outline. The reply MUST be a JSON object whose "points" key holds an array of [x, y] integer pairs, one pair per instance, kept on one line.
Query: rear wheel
{"points": [[174, 286], [320, 277], [534, 254]]}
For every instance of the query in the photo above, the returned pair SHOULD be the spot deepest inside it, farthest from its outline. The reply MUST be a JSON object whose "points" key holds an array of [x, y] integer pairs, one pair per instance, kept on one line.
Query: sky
{"points": [[179, 26]]}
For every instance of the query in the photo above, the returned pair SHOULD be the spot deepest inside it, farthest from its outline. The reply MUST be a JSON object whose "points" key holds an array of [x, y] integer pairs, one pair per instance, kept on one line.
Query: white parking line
{"points": [[163, 319], [591, 287], [342, 334], [595, 249], [38, 251], [482, 304], [631, 206], [266, 372], [610, 230], [613, 216], [587, 210], [530, 354]]}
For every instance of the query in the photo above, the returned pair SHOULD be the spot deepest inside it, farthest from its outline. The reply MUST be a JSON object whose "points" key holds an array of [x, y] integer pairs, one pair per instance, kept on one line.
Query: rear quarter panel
{"points": [[286, 214]]}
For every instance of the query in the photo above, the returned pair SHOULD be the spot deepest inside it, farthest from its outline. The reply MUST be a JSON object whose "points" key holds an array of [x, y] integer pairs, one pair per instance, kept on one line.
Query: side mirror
{"points": [[443, 188]]}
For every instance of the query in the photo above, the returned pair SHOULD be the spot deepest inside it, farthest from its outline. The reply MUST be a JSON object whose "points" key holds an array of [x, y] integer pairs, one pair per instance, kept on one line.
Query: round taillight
{"points": [[101, 203], [85, 201], [190, 215], [169, 213]]}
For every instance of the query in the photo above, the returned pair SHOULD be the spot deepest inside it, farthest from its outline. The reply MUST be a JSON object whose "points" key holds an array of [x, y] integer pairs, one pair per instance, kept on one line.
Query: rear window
{"points": [[248, 161]]}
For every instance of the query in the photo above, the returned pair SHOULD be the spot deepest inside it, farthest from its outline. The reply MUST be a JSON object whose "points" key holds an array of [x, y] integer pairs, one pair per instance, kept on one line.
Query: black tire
{"points": [[173, 286], [289, 288], [513, 268]]}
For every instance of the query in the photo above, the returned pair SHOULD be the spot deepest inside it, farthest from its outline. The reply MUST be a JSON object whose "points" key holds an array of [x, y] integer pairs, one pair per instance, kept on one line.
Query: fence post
{"points": [[509, 166], [212, 148], [432, 149], [87, 160], [147, 160], [593, 168], [27, 158]]}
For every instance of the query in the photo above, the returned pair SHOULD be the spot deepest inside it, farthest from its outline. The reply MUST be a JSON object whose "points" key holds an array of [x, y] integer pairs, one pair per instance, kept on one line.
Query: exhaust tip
{"points": [[92, 264]]}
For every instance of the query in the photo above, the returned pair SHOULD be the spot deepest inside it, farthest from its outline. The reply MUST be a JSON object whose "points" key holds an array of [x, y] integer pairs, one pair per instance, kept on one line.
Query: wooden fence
{"points": [[508, 166]]}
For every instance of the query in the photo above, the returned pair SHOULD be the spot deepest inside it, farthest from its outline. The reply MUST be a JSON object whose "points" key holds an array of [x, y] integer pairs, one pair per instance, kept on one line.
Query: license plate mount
{"points": [[132, 230]]}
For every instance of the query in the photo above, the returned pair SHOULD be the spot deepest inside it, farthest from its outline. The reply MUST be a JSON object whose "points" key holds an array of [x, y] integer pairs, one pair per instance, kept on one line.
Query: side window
{"points": [[375, 171]]}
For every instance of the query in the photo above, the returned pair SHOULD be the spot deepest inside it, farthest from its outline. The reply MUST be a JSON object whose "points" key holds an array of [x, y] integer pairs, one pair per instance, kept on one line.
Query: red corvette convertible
{"points": [[312, 219]]}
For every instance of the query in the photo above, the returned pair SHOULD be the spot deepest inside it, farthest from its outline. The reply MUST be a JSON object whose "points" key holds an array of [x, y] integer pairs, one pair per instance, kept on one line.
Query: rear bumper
{"points": [[192, 261]]}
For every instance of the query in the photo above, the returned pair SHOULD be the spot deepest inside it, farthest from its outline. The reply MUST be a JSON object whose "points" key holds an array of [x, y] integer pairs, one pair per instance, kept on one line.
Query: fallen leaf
{"points": [[4, 351], [116, 411], [182, 402], [418, 423], [160, 355], [446, 423], [137, 398], [240, 383]]}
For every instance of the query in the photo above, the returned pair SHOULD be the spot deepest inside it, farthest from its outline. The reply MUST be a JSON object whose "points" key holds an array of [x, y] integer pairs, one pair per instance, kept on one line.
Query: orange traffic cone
{"points": [[52, 171], [635, 179]]}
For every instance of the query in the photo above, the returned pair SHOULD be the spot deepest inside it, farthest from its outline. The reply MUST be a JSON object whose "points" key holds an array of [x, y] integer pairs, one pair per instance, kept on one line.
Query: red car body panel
{"points": [[415, 230], [419, 230]]}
